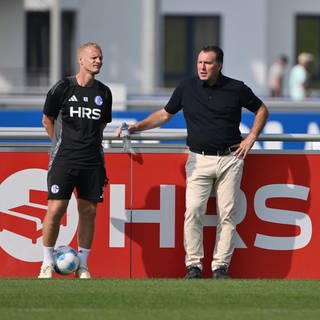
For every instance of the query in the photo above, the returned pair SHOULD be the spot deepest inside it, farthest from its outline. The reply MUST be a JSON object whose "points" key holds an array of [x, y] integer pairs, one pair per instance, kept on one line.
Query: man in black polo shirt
{"points": [[75, 113], [212, 105]]}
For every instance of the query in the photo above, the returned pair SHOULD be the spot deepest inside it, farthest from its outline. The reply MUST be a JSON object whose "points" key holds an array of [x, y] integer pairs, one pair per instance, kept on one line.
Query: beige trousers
{"points": [[220, 175]]}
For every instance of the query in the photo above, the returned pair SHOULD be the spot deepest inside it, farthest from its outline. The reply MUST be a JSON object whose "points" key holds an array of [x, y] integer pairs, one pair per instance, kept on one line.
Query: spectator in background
{"points": [[300, 76], [276, 73]]}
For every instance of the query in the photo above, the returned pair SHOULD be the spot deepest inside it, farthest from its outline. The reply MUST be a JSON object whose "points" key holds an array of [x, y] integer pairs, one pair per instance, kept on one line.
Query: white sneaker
{"points": [[83, 273], [46, 271]]}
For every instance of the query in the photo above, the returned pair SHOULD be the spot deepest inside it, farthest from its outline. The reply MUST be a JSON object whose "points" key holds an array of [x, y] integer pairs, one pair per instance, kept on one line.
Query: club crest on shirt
{"points": [[98, 100]]}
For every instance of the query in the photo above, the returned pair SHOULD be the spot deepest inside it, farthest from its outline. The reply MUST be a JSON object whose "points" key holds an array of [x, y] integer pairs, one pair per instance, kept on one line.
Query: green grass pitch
{"points": [[141, 299]]}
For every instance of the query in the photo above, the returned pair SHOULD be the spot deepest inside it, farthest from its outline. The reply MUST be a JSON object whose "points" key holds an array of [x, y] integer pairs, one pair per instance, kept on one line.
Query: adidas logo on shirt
{"points": [[73, 98]]}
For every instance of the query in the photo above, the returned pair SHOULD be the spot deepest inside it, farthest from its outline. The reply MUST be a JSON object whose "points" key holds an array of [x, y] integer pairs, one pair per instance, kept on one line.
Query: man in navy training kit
{"points": [[212, 104], [76, 111]]}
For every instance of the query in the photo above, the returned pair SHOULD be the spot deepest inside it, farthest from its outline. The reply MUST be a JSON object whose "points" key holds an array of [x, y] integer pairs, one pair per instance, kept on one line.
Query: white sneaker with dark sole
{"points": [[46, 271]]}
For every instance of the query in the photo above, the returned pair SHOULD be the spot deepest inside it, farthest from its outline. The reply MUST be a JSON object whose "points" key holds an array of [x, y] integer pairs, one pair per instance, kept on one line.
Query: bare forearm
{"points": [[259, 121], [48, 123], [258, 124], [156, 119]]}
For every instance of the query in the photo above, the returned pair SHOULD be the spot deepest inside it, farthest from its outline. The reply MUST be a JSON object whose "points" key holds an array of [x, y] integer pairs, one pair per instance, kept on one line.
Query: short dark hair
{"points": [[217, 50], [283, 58]]}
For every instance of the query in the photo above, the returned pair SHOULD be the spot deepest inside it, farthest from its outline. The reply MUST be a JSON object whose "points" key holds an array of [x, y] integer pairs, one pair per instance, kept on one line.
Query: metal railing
{"points": [[28, 133]]}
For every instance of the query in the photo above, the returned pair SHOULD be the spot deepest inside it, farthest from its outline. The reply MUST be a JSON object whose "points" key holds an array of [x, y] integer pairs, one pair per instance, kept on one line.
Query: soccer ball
{"points": [[66, 260]]}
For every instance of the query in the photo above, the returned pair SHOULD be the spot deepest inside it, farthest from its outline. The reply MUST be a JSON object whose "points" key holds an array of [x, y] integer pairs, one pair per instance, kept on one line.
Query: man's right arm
{"points": [[48, 123], [154, 120], [52, 105]]}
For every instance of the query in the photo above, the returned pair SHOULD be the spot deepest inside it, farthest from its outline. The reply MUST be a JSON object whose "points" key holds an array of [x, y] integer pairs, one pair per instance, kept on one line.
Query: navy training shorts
{"points": [[89, 183]]}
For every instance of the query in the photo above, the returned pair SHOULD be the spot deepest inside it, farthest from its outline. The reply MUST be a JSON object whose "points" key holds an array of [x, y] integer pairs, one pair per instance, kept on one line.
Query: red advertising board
{"points": [[139, 230]]}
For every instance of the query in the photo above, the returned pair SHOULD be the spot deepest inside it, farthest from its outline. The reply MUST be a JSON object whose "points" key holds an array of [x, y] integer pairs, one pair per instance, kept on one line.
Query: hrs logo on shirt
{"points": [[85, 112]]}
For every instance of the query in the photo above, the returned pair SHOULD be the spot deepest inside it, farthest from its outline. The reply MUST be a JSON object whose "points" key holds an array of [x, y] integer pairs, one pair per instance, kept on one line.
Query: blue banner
{"points": [[278, 122]]}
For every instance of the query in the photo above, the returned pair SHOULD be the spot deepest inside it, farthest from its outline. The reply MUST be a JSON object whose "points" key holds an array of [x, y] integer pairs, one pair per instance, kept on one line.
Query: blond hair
{"points": [[87, 45], [305, 57]]}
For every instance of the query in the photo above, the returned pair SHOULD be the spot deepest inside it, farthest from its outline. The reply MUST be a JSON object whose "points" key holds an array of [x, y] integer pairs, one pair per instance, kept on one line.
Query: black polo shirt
{"points": [[212, 113]]}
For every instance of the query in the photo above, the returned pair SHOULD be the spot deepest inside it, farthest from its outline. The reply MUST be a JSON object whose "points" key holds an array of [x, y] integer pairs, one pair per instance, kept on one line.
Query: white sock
{"points": [[48, 255], [83, 254]]}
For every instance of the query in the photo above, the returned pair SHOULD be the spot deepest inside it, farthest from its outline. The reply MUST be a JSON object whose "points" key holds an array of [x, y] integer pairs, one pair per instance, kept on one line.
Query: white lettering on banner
{"points": [[119, 216], [313, 128], [23, 215], [293, 218], [212, 220], [165, 216], [276, 127], [273, 127]]}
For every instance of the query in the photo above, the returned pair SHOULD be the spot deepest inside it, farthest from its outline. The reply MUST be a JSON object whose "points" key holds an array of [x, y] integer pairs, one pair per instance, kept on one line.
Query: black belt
{"points": [[217, 152]]}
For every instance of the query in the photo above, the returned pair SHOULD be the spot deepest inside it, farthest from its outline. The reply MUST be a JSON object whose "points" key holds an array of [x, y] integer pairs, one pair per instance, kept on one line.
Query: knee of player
{"points": [[87, 208], [194, 213]]}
